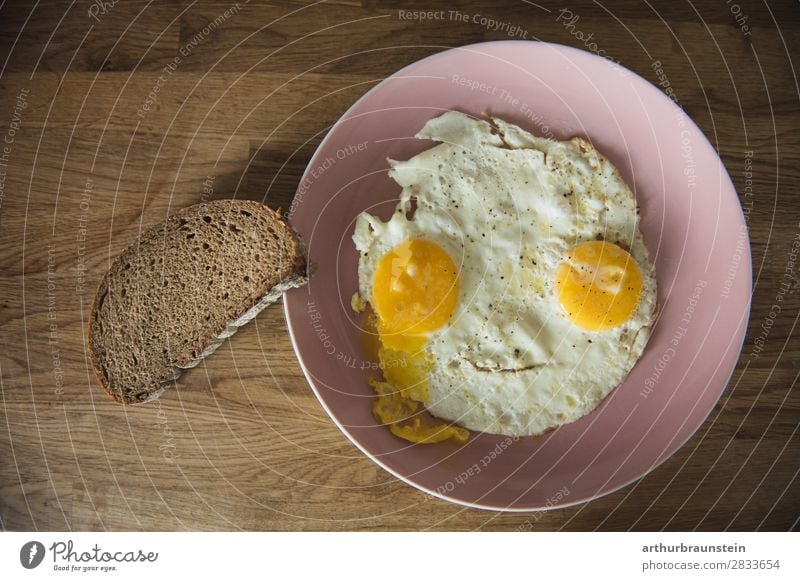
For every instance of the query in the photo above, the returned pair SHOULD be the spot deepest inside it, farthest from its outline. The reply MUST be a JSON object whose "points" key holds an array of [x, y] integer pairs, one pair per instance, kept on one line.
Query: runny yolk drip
{"points": [[414, 292], [599, 285]]}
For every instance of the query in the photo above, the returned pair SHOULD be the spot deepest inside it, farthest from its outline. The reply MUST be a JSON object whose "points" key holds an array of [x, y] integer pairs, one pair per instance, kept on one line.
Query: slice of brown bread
{"points": [[174, 296]]}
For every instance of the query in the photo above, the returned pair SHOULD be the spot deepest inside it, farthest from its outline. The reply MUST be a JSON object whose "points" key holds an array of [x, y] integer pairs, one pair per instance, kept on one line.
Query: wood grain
{"points": [[242, 443]]}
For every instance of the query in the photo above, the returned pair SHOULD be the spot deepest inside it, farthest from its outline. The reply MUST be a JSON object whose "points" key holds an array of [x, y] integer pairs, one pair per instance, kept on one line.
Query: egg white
{"points": [[507, 206]]}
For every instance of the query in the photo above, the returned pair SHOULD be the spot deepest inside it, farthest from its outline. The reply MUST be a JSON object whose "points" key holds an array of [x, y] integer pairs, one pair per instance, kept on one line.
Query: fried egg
{"points": [[511, 289]]}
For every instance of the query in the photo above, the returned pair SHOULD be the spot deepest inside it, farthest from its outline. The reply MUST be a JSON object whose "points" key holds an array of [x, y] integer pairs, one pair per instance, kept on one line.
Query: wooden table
{"points": [[116, 112]]}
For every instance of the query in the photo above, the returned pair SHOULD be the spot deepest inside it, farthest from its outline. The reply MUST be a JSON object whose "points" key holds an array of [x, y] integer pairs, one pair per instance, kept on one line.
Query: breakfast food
{"points": [[185, 286], [511, 289]]}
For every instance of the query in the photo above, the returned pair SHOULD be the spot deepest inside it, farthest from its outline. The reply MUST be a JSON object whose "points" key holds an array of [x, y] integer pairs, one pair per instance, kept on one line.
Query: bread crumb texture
{"points": [[174, 291]]}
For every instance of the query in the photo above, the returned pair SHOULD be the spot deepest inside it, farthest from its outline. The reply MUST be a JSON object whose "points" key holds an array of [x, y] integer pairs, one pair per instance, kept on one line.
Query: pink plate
{"points": [[692, 224]]}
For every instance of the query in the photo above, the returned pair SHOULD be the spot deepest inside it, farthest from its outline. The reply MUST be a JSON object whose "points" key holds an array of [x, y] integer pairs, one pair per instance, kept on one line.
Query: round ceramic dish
{"points": [[692, 224]]}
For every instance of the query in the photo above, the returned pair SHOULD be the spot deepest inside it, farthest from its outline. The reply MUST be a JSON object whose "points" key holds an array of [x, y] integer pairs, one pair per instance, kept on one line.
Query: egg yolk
{"points": [[415, 291], [599, 285]]}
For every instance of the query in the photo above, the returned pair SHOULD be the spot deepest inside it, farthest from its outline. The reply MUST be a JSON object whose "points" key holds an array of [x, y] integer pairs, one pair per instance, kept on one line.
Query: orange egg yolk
{"points": [[598, 285], [414, 292]]}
